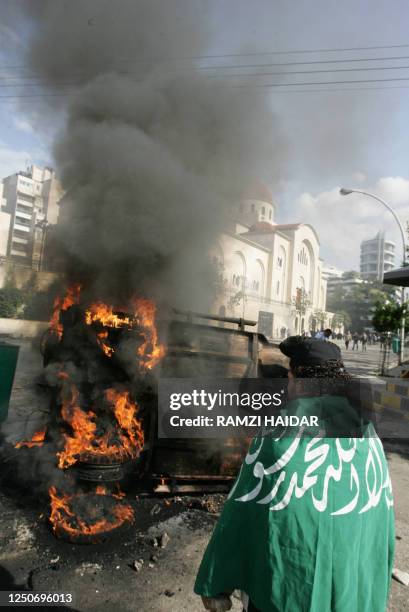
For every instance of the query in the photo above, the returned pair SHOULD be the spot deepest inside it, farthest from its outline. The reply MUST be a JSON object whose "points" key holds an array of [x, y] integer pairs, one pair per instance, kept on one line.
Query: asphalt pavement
{"points": [[365, 363]]}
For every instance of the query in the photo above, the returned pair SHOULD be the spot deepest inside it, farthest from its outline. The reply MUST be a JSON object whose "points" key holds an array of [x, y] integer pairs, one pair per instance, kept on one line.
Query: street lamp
{"points": [[345, 192]]}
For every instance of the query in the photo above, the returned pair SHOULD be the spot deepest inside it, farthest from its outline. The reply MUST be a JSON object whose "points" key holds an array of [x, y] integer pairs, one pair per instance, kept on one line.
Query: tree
{"points": [[358, 302], [11, 302], [388, 316], [301, 301]]}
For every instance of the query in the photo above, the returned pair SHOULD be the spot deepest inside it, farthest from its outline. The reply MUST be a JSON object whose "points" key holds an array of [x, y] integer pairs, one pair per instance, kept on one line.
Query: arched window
{"points": [[306, 260], [238, 268], [263, 210], [260, 277], [279, 274]]}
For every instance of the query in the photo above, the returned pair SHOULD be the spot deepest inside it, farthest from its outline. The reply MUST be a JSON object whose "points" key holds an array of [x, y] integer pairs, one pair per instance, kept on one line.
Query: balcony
{"points": [[19, 253], [21, 249], [18, 240], [23, 215], [22, 228], [25, 202]]}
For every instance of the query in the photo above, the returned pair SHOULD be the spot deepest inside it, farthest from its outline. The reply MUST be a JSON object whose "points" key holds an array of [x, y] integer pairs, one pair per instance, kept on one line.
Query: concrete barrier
{"points": [[22, 328]]}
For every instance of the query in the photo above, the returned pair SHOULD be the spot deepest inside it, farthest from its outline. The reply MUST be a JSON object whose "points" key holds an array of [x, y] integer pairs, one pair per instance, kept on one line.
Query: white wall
{"points": [[5, 219], [20, 328]]}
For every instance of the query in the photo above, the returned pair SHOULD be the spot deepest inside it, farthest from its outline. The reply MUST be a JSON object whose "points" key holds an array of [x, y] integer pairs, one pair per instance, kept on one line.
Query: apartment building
{"points": [[377, 257], [29, 206]]}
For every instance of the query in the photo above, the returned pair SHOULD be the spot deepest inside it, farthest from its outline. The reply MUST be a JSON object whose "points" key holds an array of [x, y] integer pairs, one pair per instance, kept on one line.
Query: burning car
{"points": [[101, 366]]}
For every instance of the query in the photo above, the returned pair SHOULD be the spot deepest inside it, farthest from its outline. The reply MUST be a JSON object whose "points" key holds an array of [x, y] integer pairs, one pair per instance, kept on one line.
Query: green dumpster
{"points": [[8, 362], [395, 344]]}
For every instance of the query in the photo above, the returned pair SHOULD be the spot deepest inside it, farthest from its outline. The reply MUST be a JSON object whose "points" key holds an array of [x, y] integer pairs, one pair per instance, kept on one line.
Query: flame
{"points": [[36, 440], [109, 427], [126, 439], [150, 352], [63, 303], [108, 350], [104, 314], [119, 494], [61, 513]]}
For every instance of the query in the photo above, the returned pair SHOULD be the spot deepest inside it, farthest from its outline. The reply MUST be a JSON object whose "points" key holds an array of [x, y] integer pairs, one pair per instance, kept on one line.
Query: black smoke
{"points": [[153, 153]]}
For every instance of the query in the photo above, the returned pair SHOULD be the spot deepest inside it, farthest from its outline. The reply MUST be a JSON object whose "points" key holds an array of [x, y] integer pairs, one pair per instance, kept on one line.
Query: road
{"points": [[364, 363], [104, 576]]}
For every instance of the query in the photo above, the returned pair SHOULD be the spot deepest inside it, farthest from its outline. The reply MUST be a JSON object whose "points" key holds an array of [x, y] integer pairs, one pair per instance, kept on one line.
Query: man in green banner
{"points": [[309, 523]]}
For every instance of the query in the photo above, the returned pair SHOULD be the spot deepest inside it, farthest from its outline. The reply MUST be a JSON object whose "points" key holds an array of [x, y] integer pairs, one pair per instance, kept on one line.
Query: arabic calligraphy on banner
{"points": [[358, 467]]}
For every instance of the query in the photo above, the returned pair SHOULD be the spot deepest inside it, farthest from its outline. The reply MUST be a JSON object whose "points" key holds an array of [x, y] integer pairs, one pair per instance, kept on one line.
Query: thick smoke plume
{"points": [[153, 153]]}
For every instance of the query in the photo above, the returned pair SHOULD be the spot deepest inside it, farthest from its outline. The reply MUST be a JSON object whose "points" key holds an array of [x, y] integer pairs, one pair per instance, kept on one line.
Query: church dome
{"points": [[257, 190]]}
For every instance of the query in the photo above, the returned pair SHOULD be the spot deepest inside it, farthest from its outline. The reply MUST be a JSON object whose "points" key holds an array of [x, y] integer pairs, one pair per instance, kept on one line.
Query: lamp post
{"points": [[345, 192]]}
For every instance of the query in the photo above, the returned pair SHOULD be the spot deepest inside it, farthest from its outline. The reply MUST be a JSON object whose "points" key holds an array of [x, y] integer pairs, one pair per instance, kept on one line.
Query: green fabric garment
{"points": [[309, 523]]}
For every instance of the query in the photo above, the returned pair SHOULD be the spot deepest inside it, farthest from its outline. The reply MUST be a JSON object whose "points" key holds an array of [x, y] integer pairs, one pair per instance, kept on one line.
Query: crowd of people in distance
{"points": [[353, 340]]}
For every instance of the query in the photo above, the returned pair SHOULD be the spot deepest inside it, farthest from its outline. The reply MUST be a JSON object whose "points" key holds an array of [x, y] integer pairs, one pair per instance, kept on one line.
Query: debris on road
{"points": [[164, 540], [402, 577], [137, 565], [88, 568]]}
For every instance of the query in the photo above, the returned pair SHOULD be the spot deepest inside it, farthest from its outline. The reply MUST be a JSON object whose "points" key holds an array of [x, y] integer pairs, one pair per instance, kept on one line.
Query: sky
{"points": [[355, 136]]}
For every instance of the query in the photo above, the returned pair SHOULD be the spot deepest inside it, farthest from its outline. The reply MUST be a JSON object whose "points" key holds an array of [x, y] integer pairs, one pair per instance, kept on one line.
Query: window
{"points": [[25, 198], [236, 280], [263, 210], [22, 221], [270, 214], [302, 257], [24, 209], [19, 233], [17, 246]]}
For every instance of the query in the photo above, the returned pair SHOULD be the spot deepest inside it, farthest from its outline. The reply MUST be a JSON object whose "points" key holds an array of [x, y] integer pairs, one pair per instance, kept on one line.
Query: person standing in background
{"points": [[324, 334]]}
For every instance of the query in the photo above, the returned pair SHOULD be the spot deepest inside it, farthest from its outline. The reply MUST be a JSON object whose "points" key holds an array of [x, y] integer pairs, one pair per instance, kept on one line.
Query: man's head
{"points": [[327, 332], [312, 358], [309, 352]]}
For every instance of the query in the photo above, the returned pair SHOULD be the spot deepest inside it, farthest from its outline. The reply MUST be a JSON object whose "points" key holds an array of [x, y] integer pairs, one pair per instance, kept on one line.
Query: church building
{"points": [[271, 272]]}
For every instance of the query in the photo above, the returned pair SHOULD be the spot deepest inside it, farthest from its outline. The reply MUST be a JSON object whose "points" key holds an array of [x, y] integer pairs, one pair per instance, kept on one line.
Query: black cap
{"points": [[309, 351]]}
